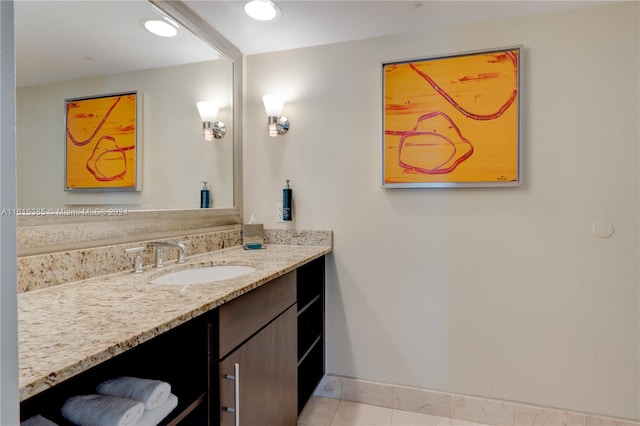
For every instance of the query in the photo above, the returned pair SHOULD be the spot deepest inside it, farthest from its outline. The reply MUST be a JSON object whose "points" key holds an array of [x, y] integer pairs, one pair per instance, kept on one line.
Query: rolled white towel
{"points": [[38, 420], [155, 416], [152, 393], [101, 410]]}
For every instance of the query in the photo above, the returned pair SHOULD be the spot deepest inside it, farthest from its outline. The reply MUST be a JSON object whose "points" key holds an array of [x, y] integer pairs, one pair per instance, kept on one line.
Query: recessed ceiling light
{"points": [[262, 10], [162, 27]]}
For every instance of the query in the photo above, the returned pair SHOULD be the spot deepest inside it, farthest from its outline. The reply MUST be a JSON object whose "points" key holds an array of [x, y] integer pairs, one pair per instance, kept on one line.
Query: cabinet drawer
{"points": [[242, 317]]}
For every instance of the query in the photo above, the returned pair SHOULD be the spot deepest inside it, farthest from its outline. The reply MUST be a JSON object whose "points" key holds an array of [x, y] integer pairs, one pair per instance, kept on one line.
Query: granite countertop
{"points": [[69, 328]]}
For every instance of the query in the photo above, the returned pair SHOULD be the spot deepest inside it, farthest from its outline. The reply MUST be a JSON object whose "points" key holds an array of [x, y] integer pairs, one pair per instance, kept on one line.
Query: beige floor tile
{"points": [[408, 418], [355, 414], [319, 411]]}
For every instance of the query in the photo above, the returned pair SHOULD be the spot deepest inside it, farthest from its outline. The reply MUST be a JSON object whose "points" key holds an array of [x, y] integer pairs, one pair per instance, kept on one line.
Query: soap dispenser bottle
{"points": [[205, 196], [287, 195]]}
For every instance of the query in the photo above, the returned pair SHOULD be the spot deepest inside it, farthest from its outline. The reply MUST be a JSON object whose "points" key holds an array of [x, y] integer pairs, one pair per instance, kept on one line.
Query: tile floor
{"points": [[321, 411]]}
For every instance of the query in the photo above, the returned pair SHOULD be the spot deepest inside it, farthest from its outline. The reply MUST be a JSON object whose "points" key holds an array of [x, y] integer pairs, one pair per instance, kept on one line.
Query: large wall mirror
{"points": [[73, 50]]}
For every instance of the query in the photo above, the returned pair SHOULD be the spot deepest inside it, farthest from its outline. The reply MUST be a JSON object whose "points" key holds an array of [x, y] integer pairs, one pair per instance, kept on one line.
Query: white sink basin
{"points": [[207, 274]]}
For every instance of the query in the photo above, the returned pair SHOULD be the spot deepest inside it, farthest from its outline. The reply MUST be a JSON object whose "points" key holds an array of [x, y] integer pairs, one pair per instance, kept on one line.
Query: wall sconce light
{"points": [[210, 127], [278, 125]]}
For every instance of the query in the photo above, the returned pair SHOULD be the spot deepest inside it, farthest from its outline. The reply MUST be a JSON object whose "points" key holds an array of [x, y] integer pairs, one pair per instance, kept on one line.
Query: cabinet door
{"points": [[267, 378]]}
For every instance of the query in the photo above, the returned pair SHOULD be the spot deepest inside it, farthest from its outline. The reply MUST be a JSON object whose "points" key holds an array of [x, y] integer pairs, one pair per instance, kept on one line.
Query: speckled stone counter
{"points": [[69, 328]]}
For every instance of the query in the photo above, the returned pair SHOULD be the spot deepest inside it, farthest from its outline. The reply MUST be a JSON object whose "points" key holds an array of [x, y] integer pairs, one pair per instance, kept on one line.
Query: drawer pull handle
{"points": [[236, 394]]}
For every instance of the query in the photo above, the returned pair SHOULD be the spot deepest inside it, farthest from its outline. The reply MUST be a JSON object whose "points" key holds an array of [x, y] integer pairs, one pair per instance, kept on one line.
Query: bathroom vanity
{"points": [[247, 350]]}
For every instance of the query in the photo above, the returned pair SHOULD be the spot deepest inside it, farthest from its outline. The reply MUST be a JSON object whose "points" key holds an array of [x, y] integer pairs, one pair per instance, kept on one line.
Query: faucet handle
{"points": [[159, 256], [182, 251], [137, 260]]}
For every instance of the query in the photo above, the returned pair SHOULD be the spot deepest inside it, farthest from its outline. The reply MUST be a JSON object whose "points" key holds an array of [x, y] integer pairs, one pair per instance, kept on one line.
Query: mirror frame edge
{"points": [[54, 233]]}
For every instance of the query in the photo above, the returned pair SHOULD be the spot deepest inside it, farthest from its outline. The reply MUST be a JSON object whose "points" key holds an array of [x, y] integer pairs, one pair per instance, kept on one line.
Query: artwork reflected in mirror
{"points": [[116, 55], [100, 144]]}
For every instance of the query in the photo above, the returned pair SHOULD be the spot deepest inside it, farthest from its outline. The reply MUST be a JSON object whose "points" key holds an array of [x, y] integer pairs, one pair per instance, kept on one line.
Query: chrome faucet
{"points": [[159, 246], [138, 267]]}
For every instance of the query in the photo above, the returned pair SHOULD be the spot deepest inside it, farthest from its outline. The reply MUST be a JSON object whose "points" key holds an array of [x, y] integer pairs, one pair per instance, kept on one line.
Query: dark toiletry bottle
{"points": [[205, 196], [287, 194]]}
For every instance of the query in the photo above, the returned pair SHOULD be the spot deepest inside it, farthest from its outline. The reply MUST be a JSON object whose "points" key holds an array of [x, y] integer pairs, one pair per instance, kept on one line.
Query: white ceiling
{"points": [[58, 40], [64, 40], [306, 23]]}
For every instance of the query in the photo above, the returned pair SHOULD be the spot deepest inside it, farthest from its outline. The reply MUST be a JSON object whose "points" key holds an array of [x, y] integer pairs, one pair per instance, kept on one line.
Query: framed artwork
{"points": [[102, 142], [453, 121]]}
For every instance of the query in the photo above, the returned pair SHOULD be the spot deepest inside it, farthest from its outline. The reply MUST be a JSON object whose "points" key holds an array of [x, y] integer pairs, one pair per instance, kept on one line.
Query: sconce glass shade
{"points": [[210, 128], [273, 105], [208, 110], [277, 124]]}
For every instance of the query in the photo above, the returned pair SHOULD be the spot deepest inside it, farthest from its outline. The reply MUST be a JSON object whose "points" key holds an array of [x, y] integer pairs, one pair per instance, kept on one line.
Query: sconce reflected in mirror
{"points": [[277, 124], [210, 127]]}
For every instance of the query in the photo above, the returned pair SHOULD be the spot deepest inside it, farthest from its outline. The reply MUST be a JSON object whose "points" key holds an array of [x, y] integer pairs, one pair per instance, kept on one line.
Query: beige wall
{"points": [[502, 292]]}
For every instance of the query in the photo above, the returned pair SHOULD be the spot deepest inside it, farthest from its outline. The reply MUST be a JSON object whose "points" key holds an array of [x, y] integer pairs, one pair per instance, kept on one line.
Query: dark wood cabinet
{"points": [[272, 338], [264, 376], [257, 347]]}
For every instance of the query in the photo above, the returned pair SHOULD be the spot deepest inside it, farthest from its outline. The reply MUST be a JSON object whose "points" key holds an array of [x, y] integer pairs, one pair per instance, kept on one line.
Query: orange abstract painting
{"points": [[101, 141], [452, 121]]}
